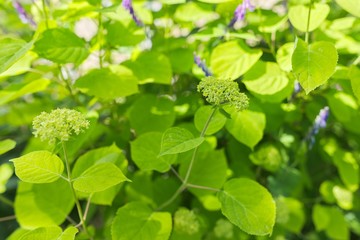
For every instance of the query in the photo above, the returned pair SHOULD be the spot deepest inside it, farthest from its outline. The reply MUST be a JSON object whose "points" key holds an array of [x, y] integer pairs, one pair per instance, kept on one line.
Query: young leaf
{"points": [[6, 145], [12, 49], [38, 167], [99, 177], [201, 116], [177, 140], [145, 150], [248, 205], [107, 84], [313, 64], [136, 221], [61, 46], [247, 126], [232, 59], [298, 16]]}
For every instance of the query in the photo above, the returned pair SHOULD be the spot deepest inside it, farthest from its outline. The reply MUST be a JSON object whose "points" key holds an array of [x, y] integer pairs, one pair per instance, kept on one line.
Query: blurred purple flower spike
{"points": [[25, 18], [127, 4], [320, 122], [202, 65], [239, 14]]}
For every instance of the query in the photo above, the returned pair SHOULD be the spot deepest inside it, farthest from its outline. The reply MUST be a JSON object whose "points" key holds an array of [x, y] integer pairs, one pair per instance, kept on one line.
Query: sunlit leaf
{"points": [[313, 64], [248, 205], [38, 167]]}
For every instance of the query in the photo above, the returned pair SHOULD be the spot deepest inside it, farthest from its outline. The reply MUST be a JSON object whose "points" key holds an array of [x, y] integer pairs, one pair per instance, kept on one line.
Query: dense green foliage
{"points": [[174, 119]]}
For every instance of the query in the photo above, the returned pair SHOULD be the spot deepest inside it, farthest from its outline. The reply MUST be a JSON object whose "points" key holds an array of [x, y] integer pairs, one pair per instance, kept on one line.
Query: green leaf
{"points": [[21, 66], [283, 56], [151, 67], [290, 214], [60, 45], [177, 140], [50, 233], [348, 169], [181, 60], [6, 145], [232, 59], [298, 16], [193, 11], [151, 113], [12, 49], [120, 35], [248, 205], [345, 109], [6, 172], [110, 154], [41, 205], [352, 6], [354, 75], [331, 220], [247, 126], [99, 177], [145, 150], [266, 81], [344, 198], [313, 64], [107, 84], [136, 221], [38, 167], [217, 121], [17, 91]]}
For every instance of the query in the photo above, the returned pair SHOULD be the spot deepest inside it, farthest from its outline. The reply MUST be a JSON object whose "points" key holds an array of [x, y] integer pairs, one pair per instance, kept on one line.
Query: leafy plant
{"points": [[168, 119]]}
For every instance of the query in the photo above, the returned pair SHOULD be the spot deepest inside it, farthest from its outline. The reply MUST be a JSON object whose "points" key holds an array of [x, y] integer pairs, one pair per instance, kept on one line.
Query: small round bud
{"points": [[222, 91], [59, 124]]}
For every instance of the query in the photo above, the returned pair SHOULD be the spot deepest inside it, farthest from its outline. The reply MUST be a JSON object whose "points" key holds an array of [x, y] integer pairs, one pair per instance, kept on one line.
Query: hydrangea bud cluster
{"points": [[224, 229], [239, 14], [59, 124], [185, 221], [202, 65], [320, 122], [23, 15], [127, 4], [219, 91]]}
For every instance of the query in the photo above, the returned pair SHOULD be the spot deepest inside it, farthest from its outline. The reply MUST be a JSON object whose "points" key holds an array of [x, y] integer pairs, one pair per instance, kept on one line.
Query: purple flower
{"points": [[297, 89], [25, 18], [239, 14], [127, 4], [320, 122], [202, 65]]}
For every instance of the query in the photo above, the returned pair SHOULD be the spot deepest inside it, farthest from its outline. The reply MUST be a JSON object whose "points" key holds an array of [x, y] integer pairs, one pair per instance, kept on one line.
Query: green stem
{"points": [[185, 183], [8, 218], [45, 14], [202, 187], [77, 203], [6, 201], [196, 149], [173, 197], [308, 24]]}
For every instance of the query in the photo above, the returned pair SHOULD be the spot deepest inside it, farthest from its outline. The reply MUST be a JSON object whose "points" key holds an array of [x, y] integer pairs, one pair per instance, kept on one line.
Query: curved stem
{"points": [[196, 149], [185, 183], [308, 24], [77, 203]]}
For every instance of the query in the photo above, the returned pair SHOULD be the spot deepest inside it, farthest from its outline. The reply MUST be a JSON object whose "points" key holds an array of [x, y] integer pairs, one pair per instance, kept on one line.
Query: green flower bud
{"points": [[224, 229], [59, 124], [185, 221], [223, 91]]}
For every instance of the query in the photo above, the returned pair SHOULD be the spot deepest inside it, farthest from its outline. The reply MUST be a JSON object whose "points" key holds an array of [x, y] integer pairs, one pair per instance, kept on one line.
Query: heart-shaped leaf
{"points": [[313, 64]]}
